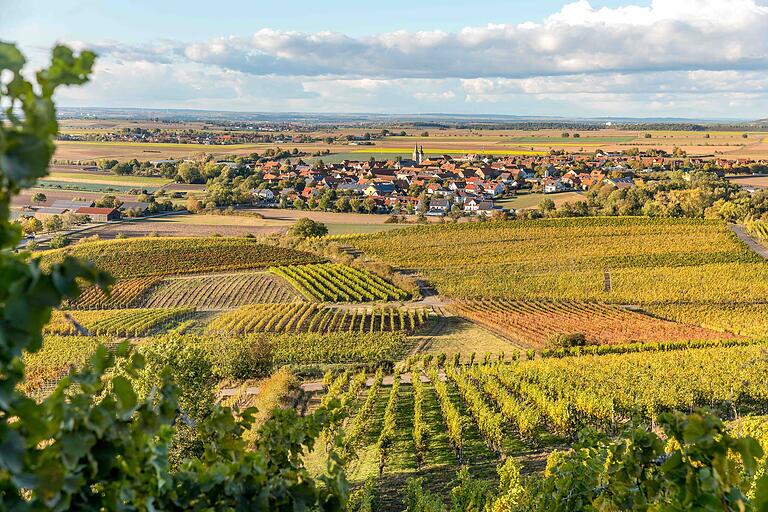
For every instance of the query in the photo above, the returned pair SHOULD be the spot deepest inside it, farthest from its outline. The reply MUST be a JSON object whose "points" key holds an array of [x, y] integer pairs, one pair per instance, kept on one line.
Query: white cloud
{"points": [[669, 34], [708, 56]]}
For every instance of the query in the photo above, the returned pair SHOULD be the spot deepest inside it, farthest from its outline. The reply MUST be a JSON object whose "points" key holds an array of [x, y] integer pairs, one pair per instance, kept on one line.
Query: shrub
{"points": [[59, 241], [562, 340], [305, 228]]}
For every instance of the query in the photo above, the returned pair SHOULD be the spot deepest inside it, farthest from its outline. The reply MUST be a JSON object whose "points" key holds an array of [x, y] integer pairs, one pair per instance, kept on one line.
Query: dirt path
{"points": [[316, 386], [751, 243]]}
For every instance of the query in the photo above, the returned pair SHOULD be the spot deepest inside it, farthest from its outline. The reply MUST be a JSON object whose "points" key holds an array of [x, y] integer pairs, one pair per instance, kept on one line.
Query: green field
{"points": [[112, 179], [525, 201], [89, 187]]}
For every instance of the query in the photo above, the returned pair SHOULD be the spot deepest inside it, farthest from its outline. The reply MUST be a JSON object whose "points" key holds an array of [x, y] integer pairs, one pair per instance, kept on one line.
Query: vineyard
{"points": [[534, 323], [247, 356], [53, 361], [330, 282], [126, 293], [452, 415], [742, 319], [131, 322], [221, 291], [648, 260], [757, 229], [315, 318], [141, 257]]}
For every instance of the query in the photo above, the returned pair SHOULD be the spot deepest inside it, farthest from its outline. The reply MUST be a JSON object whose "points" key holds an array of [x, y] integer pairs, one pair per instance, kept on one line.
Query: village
{"points": [[469, 185]]}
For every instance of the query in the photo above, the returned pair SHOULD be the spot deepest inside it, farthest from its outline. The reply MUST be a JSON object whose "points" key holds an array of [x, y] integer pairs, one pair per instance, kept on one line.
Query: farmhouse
{"points": [[99, 214], [49, 211], [74, 204]]}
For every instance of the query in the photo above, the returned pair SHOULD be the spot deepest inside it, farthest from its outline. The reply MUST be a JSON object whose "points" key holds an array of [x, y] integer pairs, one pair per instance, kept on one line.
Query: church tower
{"points": [[418, 154]]}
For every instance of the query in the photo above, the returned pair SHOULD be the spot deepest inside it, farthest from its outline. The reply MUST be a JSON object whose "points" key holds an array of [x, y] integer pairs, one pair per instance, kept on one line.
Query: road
{"points": [[751, 243], [91, 228]]}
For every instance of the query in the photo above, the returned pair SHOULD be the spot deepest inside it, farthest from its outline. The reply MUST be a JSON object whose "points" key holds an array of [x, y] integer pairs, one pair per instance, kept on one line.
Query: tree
{"points": [[39, 197], [342, 204], [304, 228], [53, 223], [547, 205], [94, 443], [59, 241], [193, 204], [31, 226]]}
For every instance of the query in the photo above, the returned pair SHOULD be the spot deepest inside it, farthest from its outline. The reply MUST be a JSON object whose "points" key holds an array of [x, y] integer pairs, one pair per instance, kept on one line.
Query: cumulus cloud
{"points": [[710, 56], [667, 35]]}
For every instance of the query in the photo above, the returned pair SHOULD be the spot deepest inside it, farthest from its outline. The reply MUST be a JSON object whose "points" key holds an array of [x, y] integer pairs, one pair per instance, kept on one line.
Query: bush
{"points": [[562, 340], [305, 228], [59, 241]]}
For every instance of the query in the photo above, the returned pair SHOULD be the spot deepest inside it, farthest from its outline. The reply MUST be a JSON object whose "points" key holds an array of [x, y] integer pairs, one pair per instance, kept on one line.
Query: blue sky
{"points": [[691, 58], [135, 21]]}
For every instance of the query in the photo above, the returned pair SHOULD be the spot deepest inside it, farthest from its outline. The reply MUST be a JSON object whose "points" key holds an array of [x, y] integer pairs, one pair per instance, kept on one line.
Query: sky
{"points": [[654, 58]]}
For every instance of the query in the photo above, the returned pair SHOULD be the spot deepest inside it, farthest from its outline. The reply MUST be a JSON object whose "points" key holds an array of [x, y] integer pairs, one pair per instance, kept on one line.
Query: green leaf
{"points": [[126, 397]]}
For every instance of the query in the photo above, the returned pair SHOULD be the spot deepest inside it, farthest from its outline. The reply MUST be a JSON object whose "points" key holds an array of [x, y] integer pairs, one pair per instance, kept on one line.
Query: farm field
{"points": [[250, 355], [161, 256], [527, 201], [455, 335], [273, 221], [53, 194], [117, 322], [534, 324], [308, 317], [750, 181], [749, 320], [220, 291], [106, 178], [727, 144], [332, 282], [647, 260], [125, 293], [433, 420]]}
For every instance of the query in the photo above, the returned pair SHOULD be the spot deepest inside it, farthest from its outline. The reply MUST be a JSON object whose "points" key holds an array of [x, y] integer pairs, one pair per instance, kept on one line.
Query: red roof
{"points": [[93, 210]]}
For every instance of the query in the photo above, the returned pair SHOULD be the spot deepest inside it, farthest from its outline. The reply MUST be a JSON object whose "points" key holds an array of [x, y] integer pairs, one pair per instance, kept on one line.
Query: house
{"points": [[552, 185], [264, 195], [99, 214], [494, 188], [472, 204], [46, 212], [441, 205], [487, 208], [379, 189], [354, 188], [621, 182]]}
